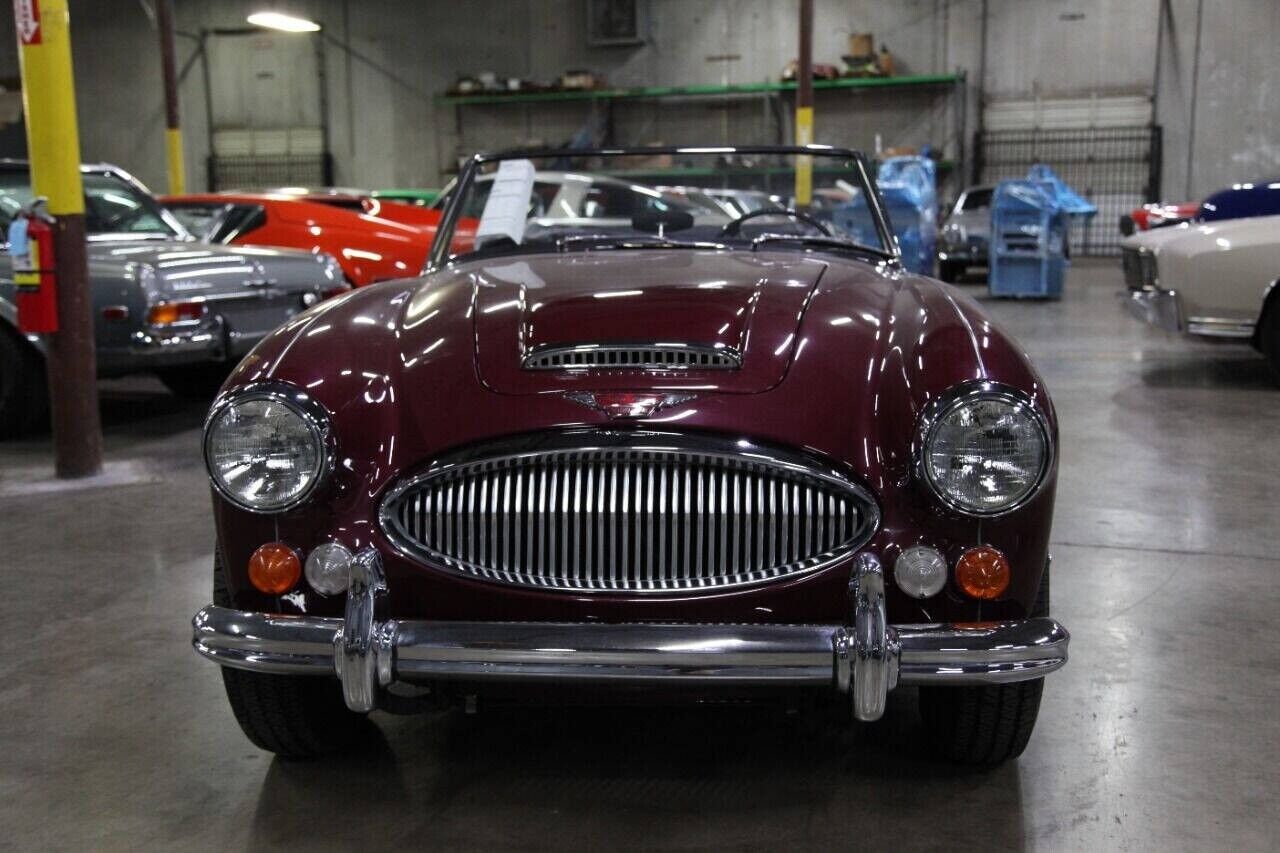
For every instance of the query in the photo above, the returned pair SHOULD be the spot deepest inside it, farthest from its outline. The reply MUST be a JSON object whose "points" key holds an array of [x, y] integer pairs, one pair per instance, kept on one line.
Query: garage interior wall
{"points": [[387, 60]]}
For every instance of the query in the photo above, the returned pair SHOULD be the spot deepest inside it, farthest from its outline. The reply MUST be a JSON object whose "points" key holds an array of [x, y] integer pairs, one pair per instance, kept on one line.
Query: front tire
{"points": [[988, 725], [294, 716], [24, 394], [1269, 338]]}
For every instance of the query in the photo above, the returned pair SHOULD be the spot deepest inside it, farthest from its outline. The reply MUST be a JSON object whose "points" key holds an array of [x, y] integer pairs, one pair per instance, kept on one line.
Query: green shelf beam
{"points": [[655, 92]]}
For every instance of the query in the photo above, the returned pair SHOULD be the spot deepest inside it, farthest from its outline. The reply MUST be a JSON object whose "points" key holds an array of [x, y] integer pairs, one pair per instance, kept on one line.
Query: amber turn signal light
{"points": [[274, 568], [982, 573], [168, 313]]}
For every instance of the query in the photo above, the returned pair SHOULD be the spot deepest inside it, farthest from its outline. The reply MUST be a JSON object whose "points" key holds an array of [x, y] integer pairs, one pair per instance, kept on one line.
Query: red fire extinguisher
{"points": [[34, 269]]}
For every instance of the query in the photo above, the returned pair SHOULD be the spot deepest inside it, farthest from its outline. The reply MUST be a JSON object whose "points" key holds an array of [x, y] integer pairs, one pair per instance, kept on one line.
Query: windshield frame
{"points": [[439, 255], [179, 230]]}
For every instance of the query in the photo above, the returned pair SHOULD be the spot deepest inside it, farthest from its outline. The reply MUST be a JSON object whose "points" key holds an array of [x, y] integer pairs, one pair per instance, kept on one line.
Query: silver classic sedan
{"points": [[162, 301]]}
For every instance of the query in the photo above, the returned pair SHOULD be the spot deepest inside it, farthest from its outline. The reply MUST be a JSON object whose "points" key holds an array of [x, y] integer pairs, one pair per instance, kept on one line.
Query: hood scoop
{"points": [[651, 321], [658, 356]]}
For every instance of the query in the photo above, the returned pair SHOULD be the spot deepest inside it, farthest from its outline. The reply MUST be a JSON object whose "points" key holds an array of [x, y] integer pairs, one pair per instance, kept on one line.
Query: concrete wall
{"points": [[386, 60], [1219, 94]]}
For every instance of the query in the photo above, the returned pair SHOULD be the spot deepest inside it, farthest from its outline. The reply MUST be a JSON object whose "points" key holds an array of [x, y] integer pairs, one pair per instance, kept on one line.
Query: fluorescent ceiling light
{"points": [[284, 23]]}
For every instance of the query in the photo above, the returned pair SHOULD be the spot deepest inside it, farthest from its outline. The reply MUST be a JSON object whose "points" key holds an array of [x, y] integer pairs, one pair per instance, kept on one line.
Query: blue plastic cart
{"points": [[1028, 238], [908, 186]]}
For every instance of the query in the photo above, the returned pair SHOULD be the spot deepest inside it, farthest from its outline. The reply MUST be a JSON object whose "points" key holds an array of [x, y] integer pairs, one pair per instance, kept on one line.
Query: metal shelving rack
{"points": [[700, 91], [769, 91]]}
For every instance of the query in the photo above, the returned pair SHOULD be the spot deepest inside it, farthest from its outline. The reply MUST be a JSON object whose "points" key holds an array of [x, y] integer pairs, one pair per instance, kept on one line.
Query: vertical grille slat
{"points": [[628, 519]]}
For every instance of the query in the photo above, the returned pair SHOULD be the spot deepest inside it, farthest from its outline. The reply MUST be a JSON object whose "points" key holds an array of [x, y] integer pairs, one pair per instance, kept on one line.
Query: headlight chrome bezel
{"points": [[313, 415], [963, 394]]}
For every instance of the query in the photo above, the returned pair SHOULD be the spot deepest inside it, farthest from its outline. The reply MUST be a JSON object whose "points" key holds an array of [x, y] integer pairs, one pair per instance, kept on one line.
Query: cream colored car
{"points": [[1214, 279]]}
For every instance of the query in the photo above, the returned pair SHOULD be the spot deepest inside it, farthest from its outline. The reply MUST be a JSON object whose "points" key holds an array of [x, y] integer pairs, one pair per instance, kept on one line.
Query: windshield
{"points": [[199, 219], [728, 198], [111, 205], [977, 199]]}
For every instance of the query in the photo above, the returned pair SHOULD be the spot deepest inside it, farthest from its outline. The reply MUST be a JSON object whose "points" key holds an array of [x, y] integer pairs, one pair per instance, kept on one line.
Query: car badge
{"points": [[627, 404]]}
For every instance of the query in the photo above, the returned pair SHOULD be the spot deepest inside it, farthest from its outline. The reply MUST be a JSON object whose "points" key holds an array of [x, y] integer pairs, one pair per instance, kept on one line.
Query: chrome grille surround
{"points": [[598, 511], [632, 357]]}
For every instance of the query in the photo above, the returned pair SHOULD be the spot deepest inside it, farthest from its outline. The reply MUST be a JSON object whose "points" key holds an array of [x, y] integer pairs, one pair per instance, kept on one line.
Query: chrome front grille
{"points": [[632, 357], [652, 513]]}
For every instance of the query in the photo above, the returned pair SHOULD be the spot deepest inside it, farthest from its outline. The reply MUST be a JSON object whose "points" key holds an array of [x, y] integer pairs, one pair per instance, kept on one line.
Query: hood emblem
{"points": [[627, 404]]}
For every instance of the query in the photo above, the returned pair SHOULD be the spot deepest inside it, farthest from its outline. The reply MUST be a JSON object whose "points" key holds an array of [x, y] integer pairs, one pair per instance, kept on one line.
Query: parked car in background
{"points": [[162, 302], [1238, 201], [367, 246], [1157, 215], [966, 234], [1211, 279], [570, 201], [364, 201], [728, 202], [415, 197], [1242, 201], [667, 458]]}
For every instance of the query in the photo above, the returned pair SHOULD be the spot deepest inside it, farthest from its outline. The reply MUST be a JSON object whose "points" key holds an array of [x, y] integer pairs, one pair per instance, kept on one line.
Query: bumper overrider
{"points": [[864, 659]]}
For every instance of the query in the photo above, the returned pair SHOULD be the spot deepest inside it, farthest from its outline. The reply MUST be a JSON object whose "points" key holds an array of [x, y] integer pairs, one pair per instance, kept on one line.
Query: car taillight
{"points": [[169, 313]]}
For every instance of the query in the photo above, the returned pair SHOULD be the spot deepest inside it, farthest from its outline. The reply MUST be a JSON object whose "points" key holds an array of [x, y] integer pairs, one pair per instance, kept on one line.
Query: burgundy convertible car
{"points": [[630, 452]]}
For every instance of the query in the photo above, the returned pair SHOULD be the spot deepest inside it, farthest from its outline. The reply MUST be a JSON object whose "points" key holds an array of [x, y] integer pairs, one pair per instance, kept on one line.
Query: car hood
{"points": [[185, 267], [744, 303], [839, 356]]}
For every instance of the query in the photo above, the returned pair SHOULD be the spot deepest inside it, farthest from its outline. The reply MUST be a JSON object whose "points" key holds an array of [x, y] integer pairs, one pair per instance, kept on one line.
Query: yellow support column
{"points": [[173, 132], [177, 171], [49, 103], [804, 106]]}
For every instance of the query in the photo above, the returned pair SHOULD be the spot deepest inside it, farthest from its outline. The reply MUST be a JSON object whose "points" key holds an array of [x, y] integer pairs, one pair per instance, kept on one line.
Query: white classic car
{"points": [[1213, 279]]}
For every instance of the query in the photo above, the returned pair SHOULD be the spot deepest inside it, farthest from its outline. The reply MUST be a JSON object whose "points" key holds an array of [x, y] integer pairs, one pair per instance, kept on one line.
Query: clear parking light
{"points": [[920, 571], [264, 452], [328, 569], [986, 453]]}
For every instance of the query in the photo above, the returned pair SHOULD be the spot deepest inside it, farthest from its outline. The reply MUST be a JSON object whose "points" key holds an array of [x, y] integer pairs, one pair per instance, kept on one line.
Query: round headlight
{"points": [[985, 452], [265, 452]]}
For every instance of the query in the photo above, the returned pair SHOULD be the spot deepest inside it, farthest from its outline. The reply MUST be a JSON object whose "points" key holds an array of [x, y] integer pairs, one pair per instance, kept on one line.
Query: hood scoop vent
{"points": [[661, 356]]}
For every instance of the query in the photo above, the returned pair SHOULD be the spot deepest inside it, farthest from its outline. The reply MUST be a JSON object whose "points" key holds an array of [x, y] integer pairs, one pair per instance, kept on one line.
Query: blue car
{"points": [[1242, 201]]}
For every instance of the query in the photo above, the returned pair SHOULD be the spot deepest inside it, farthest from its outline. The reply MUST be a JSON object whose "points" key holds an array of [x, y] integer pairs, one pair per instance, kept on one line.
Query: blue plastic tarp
{"points": [[908, 187], [1070, 201]]}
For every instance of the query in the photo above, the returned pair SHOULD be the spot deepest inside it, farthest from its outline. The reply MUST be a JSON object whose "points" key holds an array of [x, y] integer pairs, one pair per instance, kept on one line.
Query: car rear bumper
{"points": [[864, 659]]}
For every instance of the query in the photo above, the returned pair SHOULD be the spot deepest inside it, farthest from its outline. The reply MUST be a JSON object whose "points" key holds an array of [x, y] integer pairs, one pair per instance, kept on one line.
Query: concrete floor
{"points": [[1162, 733]]}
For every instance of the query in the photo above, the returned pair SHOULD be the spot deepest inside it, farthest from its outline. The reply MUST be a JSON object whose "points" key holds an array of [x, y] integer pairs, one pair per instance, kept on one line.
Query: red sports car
{"points": [[372, 240], [1157, 216], [615, 448]]}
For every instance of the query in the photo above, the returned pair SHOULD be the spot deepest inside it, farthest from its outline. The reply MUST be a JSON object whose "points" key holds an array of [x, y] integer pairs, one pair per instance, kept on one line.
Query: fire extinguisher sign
{"points": [[26, 266], [26, 13]]}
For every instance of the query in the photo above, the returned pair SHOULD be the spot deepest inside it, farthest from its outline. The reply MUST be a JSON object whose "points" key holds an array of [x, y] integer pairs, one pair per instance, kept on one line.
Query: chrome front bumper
{"points": [[1157, 307], [1162, 308], [865, 659]]}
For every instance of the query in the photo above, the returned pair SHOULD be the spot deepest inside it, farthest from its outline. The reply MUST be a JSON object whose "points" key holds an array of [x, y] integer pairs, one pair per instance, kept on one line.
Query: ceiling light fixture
{"points": [[282, 22]]}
